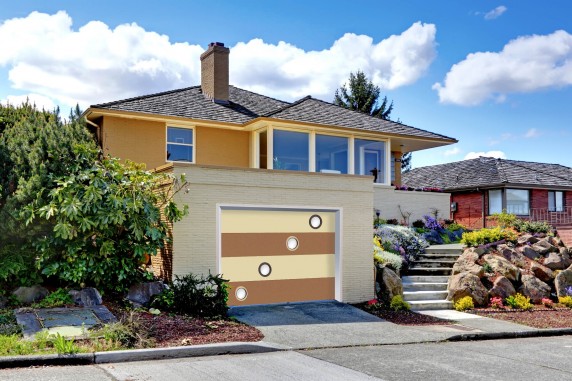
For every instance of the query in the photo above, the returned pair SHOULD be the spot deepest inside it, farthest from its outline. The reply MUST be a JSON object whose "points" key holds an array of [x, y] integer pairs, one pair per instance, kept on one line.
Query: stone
{"points": [[534, 288], [543, 247], [3, 302], [555, 241], [554, 261], [467, 284], [527, 238], [541, 272], [512, 255], [87, 297], [502, 288], [563, 281], [467, 263], [29, 295], [390, 283], [140, 294], [565, 254], [529, 252], [503, 267]]}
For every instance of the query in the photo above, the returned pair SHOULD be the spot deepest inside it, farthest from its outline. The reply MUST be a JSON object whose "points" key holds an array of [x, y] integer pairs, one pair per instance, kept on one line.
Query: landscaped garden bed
{"points": [[537, 317]]}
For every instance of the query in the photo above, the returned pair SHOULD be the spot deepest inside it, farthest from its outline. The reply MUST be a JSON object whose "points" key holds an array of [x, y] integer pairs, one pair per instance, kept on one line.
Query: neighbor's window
{"points": [[331, 154], [291, 150], [555, 201], [180, 144], [517, 201], [495, 201], [370, 159]]}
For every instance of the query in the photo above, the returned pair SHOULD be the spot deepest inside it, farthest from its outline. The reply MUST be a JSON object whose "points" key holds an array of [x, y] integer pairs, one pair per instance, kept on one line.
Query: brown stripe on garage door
{"points": [[268, 244], [282, 291]]}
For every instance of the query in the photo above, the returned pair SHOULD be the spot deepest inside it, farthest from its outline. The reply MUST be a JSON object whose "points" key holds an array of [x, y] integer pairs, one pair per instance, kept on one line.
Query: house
{"points": [[484, 186], [281, 195]]}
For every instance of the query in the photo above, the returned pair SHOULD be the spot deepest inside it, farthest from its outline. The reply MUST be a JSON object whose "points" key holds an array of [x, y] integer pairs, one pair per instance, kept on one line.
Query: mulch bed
{"points": [[537, 317], [403, 317]]}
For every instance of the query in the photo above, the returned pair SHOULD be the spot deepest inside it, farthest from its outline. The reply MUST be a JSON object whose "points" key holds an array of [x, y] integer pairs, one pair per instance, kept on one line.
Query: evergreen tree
{"points": [[406, 162], [360, 94]]}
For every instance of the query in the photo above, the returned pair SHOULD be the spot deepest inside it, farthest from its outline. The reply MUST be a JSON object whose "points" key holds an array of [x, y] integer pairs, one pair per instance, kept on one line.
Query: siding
{"points": [[388, 200]]}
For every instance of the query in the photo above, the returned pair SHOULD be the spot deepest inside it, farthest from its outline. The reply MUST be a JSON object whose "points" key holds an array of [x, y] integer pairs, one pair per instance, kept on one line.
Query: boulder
{"points": [[555, 241], [565, 254], [467, 263], [140, 294], [563, 282], [503, 267], [3, 302], [527, 238], [87, 297], [555, 261], [543, 247], [534, 288], [29, 295], [467, 284], [502, 288], [529, 252], [541, 272], [512, 255], [390, 282]]}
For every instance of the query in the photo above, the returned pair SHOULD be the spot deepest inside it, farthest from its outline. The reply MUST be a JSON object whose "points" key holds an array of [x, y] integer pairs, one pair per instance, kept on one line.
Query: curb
{"points": [[510, 335], [141, 354]]}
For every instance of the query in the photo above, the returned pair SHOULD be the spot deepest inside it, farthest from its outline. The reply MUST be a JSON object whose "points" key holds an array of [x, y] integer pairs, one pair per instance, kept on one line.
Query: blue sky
{"points": [[496, 75]]}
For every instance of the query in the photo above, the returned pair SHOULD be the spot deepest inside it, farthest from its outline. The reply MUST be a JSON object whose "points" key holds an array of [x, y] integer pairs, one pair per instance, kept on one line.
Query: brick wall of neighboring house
{"points": [[469, 209], [568, 199], [195, 244]]}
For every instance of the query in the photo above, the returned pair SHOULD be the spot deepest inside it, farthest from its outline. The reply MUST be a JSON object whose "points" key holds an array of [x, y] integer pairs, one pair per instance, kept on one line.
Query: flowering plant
{"points": [[496, 303], [400, 240], [547, 302]]}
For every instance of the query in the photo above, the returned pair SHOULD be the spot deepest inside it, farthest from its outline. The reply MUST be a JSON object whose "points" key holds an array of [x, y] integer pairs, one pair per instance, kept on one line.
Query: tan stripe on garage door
{"points": [[257, 244], [274, 221]]}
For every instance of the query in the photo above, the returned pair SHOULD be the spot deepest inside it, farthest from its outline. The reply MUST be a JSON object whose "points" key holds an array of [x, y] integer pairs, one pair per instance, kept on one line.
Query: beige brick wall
{"points": [[195, 237], [387, 200]]}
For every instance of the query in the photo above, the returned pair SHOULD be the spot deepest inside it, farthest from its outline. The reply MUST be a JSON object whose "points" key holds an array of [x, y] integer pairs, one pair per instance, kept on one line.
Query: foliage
{"points": [[432, 223], [106, 216], [398, 304], [58, 298], [204, 296], [127, 333], [400, 240], [488, 235], [392, 221], [566, 301], [455, 227], [532, 227], [547, 302], [8, 325], [418, 224], [504, 219], [487, 268], [519, 301], [387, 258], [17, 267], [496, 302], [373, 305], [465, 303], [435, 233], [360, 94], [64, 346], [378, 221], [165, 300]]}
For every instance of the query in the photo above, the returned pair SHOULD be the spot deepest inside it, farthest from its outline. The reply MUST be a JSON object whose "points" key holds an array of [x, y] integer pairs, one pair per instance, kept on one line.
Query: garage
{"points": [[278, 255]]}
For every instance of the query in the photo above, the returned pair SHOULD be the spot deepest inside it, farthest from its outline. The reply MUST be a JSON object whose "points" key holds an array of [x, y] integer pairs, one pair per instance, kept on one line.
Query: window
{"points": [[262, 149], [495, 201], [291, 150], [331, 154], [370, 159], [180, 144], [517, 201], [555, 201]]}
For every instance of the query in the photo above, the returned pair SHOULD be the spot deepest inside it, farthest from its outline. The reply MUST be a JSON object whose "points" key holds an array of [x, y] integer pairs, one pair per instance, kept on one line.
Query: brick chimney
{"points": [[214, 72]]}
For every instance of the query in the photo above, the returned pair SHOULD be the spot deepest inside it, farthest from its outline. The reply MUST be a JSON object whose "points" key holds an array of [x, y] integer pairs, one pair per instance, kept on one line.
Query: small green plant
{"points": [[532, 226], [484, 236], [465, 303], [519, 301], [398, 304], [504, 219], [165, 300], [565, 301], [64, 346], [455, 227], [58, 298], [487, 268], [200, 296]]}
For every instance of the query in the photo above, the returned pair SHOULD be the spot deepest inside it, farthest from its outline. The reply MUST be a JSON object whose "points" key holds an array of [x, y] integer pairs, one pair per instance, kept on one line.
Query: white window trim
{"points": [[184, 144]]}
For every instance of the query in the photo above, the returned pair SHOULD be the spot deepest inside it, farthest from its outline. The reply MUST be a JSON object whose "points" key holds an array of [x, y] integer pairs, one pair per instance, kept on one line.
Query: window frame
{"points": [[504, 206], [563, 201], [192, 145]]}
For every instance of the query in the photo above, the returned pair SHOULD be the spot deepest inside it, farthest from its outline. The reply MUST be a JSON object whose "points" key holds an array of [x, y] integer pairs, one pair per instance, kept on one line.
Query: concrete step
{"points": [[421, 286], [444, 249], [439, 256], [410, 296], [425, 279], [431, 305], [434, 263], [429, 271]]}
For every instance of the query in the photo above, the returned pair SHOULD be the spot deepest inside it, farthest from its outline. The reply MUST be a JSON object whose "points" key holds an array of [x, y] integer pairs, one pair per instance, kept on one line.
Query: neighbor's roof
{"points": [[489, 172], [245, 106]]}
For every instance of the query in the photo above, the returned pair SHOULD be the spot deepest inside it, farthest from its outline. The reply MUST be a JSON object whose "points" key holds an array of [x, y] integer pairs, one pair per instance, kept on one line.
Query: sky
{"points": [[495, 75]]}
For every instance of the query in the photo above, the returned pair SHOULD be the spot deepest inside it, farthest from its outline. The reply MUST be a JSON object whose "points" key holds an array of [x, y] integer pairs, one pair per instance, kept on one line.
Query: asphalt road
{"points": [[535, 359]]}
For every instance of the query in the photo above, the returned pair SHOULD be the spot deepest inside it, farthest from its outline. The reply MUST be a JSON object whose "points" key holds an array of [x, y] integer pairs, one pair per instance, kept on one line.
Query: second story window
{"points": [[180, 146]]}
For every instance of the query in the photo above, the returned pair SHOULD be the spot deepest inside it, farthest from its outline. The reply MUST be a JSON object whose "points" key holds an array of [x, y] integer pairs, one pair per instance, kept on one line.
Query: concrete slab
{"points": [[449, 314]]}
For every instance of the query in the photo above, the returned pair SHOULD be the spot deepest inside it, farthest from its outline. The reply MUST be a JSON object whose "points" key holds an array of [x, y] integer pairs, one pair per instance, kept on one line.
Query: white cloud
{"points": [[526, 64], [532, 133], [495, 13], [96, 63], [41, 102], [452, 151], [474, 155]]}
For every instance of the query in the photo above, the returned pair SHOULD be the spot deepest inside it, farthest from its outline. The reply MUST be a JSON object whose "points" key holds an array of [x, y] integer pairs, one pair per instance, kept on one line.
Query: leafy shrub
{"points": [[398, 304], [566, 301], [387, 258], [532, 227], [488, 235], [200, 296], [456, 227], [400, 240], [496, 302], [165, 300], [465, 303], [504, 219], [519, 301], [373, 305], [64, 346], [378, 221], [418, 224], [58, 298], [8, 325]]}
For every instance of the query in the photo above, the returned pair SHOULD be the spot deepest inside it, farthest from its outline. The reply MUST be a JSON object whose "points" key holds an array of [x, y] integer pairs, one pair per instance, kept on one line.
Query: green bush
{"points": [[488, 235], [200, 296], [465, 303], [519, 301], [58, 298], [504, 219], [532, 226], [456, 227], [398, 304], [566, 301]]}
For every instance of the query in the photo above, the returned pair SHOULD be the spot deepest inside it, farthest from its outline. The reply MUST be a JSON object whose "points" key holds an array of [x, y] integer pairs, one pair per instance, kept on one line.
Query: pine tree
{"points": [[360, 94]]}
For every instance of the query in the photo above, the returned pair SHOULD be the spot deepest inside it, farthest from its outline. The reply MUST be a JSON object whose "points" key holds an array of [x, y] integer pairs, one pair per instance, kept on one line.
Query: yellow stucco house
{"points": [[281, 194]]}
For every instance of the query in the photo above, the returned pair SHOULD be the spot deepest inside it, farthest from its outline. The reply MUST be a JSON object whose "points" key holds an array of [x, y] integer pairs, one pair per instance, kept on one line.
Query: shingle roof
{"points": [[313, 110], [487, 172], [245, 106]]}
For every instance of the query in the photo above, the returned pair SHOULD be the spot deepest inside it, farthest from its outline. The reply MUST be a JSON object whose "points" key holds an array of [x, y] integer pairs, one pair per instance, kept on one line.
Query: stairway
{"points": [[425, 286]]}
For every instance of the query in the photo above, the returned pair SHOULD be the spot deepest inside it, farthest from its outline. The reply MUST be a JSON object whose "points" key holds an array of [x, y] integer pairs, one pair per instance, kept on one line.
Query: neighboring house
{"points": [[281, 195], [483, 186]]}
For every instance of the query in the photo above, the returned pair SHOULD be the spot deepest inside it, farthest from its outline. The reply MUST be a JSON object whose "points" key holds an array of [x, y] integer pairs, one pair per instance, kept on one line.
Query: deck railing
{"points": [[554, 218]]}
